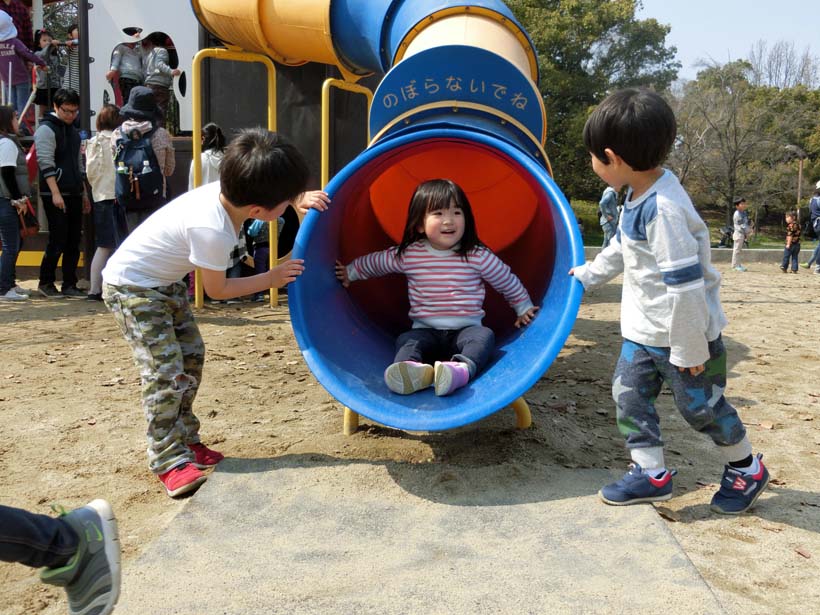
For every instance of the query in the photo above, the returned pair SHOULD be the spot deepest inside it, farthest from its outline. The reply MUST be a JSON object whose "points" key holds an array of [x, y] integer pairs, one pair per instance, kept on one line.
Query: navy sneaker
{"points": [[738, 491], [636, 486]]}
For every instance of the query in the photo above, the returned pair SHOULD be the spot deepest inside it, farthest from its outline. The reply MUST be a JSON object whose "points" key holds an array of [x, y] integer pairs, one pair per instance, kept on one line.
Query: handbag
{"points": [[29, 225]]}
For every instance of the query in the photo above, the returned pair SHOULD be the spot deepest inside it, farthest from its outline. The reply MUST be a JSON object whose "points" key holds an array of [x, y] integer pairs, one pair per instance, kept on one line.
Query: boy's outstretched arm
{"points": [[314, 199], [219, 287], [608, 264]]}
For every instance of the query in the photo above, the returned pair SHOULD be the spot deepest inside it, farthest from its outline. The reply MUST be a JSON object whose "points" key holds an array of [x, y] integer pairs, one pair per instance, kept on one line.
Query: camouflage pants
{"points": [[168, 350], [639, 375]]}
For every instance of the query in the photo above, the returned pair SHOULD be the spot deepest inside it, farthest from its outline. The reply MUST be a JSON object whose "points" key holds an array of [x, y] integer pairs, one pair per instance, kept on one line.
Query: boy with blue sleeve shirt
{"points": [[671, 317]]}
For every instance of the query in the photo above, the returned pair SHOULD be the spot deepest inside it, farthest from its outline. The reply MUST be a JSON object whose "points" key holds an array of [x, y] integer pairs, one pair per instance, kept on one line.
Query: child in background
{"points": [[792, 250], [48, 78], [446, 266], [213, 150], [143, 288], [671, 317], [13, 57], [110, 227]]}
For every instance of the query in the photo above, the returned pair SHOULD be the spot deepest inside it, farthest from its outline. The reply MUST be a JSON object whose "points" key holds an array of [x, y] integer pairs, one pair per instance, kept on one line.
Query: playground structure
{"points": [[458, 99]]}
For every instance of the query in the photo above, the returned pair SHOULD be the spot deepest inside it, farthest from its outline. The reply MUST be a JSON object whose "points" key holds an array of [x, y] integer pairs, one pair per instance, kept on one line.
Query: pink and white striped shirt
{"points": [[445, 290]]}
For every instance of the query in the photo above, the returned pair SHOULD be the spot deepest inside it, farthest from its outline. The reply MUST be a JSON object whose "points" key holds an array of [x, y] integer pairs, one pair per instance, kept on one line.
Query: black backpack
{"points": [[139, 179]]}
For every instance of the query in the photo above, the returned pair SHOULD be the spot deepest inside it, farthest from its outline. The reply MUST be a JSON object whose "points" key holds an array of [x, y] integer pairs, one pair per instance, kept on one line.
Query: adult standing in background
{"points": [[21, 16], [740, 222], [608, 207], [814, 218], [62, 190], [126, 67]]}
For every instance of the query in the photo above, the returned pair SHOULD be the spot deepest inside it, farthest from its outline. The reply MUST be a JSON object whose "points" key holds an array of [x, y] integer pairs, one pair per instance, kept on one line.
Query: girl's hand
{"points": [[286, 272], [526, 318], [697, 370], [315, 199], [341, 274]]}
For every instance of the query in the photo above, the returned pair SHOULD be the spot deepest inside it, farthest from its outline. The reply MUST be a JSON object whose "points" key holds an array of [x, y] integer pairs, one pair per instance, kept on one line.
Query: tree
{"points": [[58, 16], [587, 48], [780, 66]]}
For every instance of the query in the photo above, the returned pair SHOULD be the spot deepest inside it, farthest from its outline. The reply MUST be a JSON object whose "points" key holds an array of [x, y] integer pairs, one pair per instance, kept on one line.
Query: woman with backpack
{"points": [[143, 157], [814, 220]]}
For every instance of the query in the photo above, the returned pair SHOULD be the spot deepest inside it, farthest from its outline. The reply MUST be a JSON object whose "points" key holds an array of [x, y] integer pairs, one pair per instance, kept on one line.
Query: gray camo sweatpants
{"points": [[169, 352]]}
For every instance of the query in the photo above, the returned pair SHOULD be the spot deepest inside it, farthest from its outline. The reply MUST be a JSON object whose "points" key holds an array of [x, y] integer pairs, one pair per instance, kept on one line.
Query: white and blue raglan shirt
{"points": [[671, 292]]}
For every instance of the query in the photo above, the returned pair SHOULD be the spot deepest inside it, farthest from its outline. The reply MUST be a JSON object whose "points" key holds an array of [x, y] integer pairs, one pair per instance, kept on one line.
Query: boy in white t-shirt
{"points": [[143, 288]]}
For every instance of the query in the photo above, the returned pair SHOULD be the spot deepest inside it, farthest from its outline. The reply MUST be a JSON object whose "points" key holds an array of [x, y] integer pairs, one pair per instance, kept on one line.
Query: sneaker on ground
{"points": [[22, 291], [450, 376], [805, 265], [72, 291], [738, 491], [407, 377], [49, 290], [204, 457], [182, 479], [740, 268], [784, 270], [94, 296], [91, 577], [637, 486], [12, 295]]}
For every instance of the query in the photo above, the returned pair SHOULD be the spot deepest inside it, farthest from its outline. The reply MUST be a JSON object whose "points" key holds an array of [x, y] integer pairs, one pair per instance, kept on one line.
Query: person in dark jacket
{"points": [[62, 190]]}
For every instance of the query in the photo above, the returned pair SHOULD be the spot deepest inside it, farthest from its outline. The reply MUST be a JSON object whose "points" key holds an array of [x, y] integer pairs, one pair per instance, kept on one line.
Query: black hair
{"points": [[6, 118], [261, 168], [739, 200], [431, 196], [65, 96], [637, 124], [73, 27], [212, 137]]}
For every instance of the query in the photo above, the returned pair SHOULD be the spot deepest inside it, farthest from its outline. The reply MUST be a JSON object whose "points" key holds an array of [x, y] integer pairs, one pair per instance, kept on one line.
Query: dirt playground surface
{"points": [[71, 428]]}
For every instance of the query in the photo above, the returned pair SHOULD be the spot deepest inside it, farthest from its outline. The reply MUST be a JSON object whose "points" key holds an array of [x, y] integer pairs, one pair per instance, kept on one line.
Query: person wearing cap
{"points": [[742, 230], [126, 66], [141, 113]]}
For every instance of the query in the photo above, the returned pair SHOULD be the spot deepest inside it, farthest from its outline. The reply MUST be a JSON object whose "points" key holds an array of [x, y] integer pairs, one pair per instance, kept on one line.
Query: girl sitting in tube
{"points": [[446, 265]]}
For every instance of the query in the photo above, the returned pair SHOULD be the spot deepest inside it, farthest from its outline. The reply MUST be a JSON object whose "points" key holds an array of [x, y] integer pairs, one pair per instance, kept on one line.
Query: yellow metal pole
{"points": [[326, 87], [196, 74], [522, 414], [350, 422]]}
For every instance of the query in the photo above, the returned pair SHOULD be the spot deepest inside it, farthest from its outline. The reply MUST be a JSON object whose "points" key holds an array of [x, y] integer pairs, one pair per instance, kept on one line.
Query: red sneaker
{"points": [[182, 479], [204, 457]]}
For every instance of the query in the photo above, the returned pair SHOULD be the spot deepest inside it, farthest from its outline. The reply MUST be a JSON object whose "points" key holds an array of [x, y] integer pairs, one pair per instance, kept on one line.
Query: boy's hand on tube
{"points": [[341, 274], [526, 318], [314, 199], [286, 272]]}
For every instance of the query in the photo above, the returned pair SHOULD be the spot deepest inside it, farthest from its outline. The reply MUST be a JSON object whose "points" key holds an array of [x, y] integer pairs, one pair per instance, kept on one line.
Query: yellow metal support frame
{"points": [[326, 87], [196, 70]]}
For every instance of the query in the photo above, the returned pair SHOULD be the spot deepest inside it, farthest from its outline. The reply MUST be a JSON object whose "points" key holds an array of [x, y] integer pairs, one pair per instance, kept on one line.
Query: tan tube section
{"points": [[467, 29], [290, 32]]}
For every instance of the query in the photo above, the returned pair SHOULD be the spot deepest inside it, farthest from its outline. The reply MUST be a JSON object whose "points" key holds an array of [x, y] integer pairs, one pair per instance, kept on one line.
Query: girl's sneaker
{"points": [[182, 479], [204, 457], [738, 491], [637, 486], [450, 376], [22, 291], [407, 377], [91, 577]]}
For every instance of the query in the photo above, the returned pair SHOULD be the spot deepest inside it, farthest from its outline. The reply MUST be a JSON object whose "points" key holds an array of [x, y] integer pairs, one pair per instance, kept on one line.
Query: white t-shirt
{"points": [[193, 230], [8, 152]]}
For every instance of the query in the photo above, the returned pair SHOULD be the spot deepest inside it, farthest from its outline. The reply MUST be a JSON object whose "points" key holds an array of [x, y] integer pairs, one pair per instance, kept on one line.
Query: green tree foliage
{"points": [[587, 48]]}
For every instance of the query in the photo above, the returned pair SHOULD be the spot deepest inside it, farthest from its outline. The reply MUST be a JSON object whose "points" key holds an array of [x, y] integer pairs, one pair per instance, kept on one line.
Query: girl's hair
{"points": [[435, 195], [108, 118], [6, 118], [212, 137]]}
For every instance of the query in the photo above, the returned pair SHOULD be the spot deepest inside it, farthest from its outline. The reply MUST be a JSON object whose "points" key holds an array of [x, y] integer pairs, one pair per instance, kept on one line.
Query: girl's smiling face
{"points": [[444, 228]]}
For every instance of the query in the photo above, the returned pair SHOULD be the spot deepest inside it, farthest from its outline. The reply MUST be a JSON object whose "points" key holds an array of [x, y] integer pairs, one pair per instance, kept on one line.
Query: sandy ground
{"points": [[71, 428]]}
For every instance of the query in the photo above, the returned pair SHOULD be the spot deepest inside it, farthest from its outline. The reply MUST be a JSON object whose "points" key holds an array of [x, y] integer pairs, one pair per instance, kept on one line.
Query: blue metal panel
{"points": [[347, 354], [458, 72]]}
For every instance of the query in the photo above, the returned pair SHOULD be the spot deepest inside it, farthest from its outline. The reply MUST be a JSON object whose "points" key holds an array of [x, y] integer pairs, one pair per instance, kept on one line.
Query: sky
{"points": [[725, 30]]}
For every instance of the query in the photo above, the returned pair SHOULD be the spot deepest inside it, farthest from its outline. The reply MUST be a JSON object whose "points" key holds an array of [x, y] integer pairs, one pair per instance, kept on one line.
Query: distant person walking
{"points": [[608, 207], [814, 212], [740, 221]]}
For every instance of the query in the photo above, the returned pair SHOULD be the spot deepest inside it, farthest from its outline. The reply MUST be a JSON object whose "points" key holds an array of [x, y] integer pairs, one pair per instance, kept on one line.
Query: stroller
{"points": [[726, 236]]}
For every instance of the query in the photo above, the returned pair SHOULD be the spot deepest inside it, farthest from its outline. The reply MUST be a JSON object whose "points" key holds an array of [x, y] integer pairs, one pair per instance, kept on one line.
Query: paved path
{"points": [[316, 535]]}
